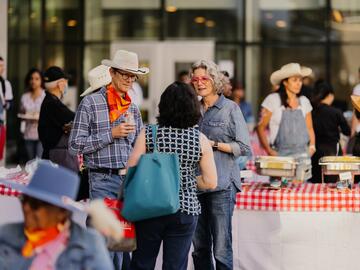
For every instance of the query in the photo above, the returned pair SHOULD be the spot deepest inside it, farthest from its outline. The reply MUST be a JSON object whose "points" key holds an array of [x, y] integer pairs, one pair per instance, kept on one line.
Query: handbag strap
{"points": [[154, 135]]}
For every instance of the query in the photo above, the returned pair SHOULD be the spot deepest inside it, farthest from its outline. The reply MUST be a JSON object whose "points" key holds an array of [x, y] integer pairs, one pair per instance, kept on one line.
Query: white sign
{"points": [[345, 176]]}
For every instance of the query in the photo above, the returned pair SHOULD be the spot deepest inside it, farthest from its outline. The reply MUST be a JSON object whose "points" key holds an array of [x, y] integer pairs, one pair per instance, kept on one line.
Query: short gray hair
{"points": [[213, 70], [51, 85]]}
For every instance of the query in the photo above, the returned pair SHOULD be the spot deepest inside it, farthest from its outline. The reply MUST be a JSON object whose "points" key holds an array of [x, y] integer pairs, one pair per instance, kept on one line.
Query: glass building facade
{"points": [[251, 37]]}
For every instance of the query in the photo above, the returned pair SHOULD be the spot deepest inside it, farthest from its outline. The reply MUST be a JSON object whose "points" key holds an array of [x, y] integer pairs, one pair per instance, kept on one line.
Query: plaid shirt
{"points": [[91, 133]]}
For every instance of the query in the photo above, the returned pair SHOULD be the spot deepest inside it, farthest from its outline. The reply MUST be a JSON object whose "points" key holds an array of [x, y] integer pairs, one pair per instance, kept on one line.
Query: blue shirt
{"points": [[246, 110], [224, 123], [91, 133]]}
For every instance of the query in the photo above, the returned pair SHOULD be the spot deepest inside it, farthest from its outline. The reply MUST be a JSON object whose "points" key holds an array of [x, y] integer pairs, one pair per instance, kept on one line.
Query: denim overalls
{"points": [[292, 140]]}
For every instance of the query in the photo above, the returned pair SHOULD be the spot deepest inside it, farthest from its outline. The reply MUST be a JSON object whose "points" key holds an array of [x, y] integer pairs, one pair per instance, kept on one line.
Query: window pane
{"points": [[261, 62], [63, 20], [221, 20], [92, 58], [230, 59], [287, 20], [24, 20], [344, 69], [345, 20], [106, 20]]}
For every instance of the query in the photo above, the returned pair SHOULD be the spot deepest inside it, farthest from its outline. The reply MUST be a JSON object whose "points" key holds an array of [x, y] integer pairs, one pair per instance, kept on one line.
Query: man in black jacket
{"points": [[55, 119]]}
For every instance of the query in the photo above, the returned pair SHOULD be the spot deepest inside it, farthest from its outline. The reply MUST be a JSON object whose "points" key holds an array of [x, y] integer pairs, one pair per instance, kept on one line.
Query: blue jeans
{"points": [[175, 231], [213, 234], [33, 149], [106, 185]]}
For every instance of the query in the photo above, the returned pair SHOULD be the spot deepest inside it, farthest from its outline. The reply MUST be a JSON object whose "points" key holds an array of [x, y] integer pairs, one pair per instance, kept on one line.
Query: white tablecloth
{"points": [[296, 240]]}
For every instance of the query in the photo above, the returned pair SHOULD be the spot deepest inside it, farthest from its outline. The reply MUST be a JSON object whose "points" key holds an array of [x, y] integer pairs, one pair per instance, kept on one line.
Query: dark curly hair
{"points": [[179, 106], [28, 78]]}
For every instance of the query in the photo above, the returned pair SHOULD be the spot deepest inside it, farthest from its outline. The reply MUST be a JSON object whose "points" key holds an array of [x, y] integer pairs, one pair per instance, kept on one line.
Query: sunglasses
{"points": [[126, 76], [34, 204], [203, 79]]}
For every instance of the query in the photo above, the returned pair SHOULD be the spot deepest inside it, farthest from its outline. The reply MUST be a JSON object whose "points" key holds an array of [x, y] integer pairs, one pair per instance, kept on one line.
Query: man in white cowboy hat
{"points": [[105, 129]]}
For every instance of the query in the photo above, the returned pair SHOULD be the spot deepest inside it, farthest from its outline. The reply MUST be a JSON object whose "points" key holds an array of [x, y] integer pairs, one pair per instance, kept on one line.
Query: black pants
{"points": [[327, 149], [175, 231]]}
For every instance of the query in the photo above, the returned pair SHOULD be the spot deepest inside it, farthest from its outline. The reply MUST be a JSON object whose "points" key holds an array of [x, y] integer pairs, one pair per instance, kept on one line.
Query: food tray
{"points": [[339, 159], [340, 163], [277, 163], [276, 172]]}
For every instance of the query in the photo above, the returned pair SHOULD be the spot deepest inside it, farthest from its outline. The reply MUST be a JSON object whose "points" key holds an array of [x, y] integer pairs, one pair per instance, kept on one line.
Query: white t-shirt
{"points": [[273, 103]]}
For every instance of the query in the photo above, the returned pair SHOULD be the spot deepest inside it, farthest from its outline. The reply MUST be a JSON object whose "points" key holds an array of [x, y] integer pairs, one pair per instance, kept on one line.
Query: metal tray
{"points": [[339, 159], [276, 172], [277, 163]]}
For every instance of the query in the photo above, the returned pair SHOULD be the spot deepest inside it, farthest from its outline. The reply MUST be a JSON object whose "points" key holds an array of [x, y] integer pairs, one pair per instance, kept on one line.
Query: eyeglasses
{"points": [[203, 79], [126, 76], [34, 204]]}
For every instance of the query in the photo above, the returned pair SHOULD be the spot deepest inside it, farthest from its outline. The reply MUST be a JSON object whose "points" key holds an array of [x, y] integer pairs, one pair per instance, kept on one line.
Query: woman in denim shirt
{"points": [[224, 125]]}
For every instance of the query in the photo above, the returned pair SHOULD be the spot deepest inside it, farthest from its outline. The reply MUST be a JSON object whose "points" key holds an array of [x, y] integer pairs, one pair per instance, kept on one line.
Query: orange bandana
{"points": [[38, 238], [117, 104]]}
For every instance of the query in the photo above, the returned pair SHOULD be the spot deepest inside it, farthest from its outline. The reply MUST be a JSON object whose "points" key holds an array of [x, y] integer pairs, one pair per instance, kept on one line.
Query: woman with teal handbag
{"points": [[179, 112]]}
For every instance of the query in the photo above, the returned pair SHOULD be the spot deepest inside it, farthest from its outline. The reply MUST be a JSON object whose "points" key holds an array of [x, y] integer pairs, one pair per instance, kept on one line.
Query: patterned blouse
{"points": [[186, 143]]}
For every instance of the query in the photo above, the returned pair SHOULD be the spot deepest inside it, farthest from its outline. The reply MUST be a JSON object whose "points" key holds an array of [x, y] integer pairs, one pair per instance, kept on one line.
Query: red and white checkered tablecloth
{"points": [[298, 197], [21, 178]]}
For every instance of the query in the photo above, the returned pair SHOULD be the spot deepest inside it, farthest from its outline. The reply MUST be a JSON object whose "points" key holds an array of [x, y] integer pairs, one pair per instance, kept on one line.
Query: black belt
{"points": [[121, 171]]}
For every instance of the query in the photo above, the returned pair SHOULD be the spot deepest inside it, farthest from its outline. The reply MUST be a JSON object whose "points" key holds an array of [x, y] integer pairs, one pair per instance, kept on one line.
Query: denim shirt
{"points": [[85, 250], [224, 123]]}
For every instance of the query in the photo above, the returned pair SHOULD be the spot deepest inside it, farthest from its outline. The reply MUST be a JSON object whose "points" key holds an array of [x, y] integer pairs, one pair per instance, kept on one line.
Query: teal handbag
{"points": [[151, 189]]}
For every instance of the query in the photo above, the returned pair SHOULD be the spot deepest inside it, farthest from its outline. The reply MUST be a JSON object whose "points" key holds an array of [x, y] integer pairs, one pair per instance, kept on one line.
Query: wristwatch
{"points": [[215, 146]]}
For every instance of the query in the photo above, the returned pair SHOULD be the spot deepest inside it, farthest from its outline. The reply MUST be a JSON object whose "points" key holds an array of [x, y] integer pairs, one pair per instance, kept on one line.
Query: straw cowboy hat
{"points": [[126, 61], [288, 70], [98, 77], [50, 183], [355, 100]]}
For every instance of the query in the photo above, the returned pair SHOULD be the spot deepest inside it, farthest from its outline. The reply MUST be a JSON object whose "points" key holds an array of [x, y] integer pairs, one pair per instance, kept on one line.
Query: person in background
{"points": [[6, 97], [55, 120], [307, 88], [224, 125], [355, 100], [105, 128], [238, 96], [183, 76], [227, 84], [136, 94], [98, 77], [288, 114], [355, 123], [30, 105], [6, 93], [179, 112], [328, 122], [48, 238]]}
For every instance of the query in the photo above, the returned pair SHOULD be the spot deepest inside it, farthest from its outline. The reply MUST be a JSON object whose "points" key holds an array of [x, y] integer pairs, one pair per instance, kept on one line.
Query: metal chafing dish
{"points": [[276, 166], [335, 165]]}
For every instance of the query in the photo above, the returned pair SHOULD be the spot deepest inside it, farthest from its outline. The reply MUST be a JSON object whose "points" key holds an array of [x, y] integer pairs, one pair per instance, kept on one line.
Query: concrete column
{"points": [[3, 29]]}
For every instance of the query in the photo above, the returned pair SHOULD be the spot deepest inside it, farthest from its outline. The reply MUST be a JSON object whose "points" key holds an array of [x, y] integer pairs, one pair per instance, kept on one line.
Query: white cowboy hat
{"points": [[98, 77], [127, 61], [288, 70]]}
